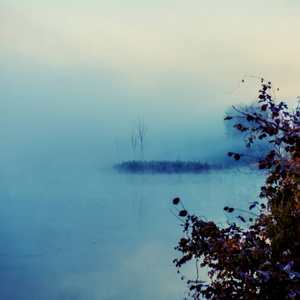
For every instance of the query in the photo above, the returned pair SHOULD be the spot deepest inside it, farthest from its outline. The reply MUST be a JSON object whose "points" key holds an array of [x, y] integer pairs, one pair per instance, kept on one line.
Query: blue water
{"points": [[90, 233]]}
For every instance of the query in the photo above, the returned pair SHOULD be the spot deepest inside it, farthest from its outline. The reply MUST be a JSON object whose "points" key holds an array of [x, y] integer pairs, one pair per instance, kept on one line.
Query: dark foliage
{"points": [[240, 123], [262, 260], [167, 167]]}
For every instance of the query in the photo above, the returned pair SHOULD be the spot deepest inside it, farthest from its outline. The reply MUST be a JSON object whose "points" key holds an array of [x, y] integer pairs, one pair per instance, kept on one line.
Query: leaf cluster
{"points": [[261, 260]]}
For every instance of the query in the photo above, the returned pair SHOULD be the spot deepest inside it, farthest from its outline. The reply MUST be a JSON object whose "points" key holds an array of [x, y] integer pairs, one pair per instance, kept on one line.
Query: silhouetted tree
{"points": [[262, 260], [139, 137]]}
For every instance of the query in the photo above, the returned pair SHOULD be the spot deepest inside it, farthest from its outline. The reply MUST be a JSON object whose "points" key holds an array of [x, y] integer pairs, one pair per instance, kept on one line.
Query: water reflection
{"points": [[139, 206], [106, 235]]}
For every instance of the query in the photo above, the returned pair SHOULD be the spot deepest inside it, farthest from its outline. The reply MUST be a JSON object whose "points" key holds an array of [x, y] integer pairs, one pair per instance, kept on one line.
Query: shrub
{"points": [[262, 260]]}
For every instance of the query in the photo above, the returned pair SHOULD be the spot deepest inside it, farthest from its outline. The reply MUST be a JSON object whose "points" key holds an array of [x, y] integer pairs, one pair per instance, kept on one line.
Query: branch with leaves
{"points": [[260, 260]]}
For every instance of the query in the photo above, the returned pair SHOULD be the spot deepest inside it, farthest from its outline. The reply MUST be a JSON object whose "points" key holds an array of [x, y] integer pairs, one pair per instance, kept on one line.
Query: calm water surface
{"points": [[85, 233]]}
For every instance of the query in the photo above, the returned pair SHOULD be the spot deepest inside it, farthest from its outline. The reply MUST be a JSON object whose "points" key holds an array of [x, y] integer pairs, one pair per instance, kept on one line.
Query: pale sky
{"points": [[147, 41], [172, 62]]}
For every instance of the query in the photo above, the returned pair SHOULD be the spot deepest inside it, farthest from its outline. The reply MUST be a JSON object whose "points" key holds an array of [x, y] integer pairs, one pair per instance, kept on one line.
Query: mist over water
{"points": [[73, 228], [74, 78], [70, 226]]}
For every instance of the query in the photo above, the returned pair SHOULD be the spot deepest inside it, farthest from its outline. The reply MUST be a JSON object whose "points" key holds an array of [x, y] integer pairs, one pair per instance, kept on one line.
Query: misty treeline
{"points": [[167, 167], [139, 141], [257, 257]]}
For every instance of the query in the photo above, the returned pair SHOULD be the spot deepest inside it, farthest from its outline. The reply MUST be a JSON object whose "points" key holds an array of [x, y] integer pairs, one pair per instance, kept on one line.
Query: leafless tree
{"points": [[139, 137]]}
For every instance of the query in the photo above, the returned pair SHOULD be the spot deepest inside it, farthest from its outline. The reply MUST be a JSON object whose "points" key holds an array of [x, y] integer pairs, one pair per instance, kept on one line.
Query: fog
{"points": [[74, 79], [73, 228], [82, 117]]}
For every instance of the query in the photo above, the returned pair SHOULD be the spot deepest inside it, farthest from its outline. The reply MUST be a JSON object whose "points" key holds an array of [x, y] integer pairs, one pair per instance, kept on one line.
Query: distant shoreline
{"points": [[168, 167]]}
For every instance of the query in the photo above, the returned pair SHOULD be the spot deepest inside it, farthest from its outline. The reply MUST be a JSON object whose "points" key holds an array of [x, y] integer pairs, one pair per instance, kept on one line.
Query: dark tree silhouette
{"points": [[262, 260]]}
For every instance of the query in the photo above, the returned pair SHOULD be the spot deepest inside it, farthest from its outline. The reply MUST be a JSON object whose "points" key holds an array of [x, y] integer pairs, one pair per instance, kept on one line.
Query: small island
{"points": [[168, 167]]}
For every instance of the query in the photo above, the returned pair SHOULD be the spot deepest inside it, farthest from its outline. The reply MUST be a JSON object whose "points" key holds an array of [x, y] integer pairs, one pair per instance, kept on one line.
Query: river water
{"points": [[90, 233]]}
